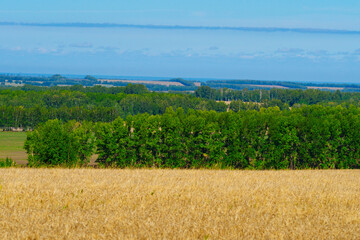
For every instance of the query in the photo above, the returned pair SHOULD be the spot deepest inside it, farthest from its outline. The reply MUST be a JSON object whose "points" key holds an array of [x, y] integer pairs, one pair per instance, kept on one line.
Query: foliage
{"points": [[27, 106], [258, 84], [283, 96], [33, 105], [57, 144], [6, 163], [91, 78], [135, 89], [259, 129], [307, 137]]}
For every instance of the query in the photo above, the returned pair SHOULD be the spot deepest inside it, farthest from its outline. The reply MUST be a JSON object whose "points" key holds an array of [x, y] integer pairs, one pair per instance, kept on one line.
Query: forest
{"points": [[289, 96], [26, 106], [211, 128]]}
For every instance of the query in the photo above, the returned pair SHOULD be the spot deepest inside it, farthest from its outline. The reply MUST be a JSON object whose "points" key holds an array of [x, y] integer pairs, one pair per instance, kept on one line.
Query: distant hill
{"points": [[172, 84]]}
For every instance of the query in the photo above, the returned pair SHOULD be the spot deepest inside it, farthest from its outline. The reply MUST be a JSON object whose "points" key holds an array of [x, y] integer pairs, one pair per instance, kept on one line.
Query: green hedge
{"points": [[302, 138], [309, 137]]}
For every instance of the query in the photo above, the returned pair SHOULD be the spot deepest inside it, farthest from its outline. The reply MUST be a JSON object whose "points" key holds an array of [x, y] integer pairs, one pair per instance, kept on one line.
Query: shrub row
{"points": [[307, 137]]}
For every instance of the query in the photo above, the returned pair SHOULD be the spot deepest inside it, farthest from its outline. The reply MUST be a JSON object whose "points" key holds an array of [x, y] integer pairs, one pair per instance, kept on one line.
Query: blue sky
{"points": [[296, 53]]}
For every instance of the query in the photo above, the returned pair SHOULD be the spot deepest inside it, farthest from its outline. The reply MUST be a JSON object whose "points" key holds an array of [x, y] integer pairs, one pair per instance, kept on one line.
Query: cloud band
{"points": [[182, 27]]}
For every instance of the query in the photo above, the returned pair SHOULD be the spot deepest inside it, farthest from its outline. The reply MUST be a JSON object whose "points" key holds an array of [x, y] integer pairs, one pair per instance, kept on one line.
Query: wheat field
{"points": [[178, 204]]}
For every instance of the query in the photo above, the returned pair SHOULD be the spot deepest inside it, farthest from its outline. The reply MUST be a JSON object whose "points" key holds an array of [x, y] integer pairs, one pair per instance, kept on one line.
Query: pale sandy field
{"points": [[327, 88], [165, 83], [178, 204]]}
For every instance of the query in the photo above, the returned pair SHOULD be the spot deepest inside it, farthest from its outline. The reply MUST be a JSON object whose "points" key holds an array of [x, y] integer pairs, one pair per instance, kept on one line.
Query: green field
{"points": [[11, 145]]}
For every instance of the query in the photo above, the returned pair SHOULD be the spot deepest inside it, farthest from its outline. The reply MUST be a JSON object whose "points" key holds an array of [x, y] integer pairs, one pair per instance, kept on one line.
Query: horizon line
{"points": [[184, 27]]}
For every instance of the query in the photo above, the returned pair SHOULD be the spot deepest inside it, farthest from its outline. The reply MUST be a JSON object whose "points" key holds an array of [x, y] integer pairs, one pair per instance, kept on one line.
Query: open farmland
{"points": [[178, 204], [164, 83], [267, 86], [11, 145], [327, 88]]}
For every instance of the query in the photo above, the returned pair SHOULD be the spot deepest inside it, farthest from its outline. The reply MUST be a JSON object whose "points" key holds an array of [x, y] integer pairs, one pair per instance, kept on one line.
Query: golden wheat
{"points": [[178, 204]]}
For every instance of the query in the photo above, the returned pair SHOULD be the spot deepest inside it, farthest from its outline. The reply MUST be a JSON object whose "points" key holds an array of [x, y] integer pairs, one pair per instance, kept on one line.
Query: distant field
{"points": [[164, 83], [178, 204], [11, 145], [267, 86], [327, 88]]}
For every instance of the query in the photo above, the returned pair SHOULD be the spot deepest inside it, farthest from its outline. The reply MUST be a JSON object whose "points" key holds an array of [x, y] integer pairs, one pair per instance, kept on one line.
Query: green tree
{"points": [[91, 78], [56, 144]]}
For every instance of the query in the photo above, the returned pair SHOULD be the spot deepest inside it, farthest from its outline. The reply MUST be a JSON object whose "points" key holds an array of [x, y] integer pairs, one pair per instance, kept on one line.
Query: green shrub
{"points": [[58, 144], [6, 163]]}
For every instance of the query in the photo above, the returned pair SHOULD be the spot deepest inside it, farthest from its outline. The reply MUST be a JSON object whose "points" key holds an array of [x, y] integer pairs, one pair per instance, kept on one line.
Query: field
{"points": [[327, 88], [11, 145], [178, 204], [164, 83], [268, 86]]}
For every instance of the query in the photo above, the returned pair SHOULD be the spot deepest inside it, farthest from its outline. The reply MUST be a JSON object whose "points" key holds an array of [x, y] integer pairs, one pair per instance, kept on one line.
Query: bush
{"points": [[58, 144], [8, 162]]}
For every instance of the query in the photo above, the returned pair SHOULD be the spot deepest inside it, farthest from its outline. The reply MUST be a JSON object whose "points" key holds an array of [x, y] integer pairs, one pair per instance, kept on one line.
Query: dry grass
{"points": [[178, 204]]}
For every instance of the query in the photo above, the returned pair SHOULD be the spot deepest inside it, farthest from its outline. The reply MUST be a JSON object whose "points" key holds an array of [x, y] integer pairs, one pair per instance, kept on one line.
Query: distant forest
{"points": [[26, 106]]}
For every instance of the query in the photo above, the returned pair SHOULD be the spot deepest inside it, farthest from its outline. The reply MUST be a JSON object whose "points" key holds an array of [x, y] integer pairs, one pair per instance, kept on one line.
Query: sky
{"points": [[316, 41]]}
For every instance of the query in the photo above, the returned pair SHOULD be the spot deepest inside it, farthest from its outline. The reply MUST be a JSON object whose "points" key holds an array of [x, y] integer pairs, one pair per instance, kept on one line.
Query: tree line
{"points": [[258, 84], [25, 107], [28, 106], [289, 96], [306, 137]]}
